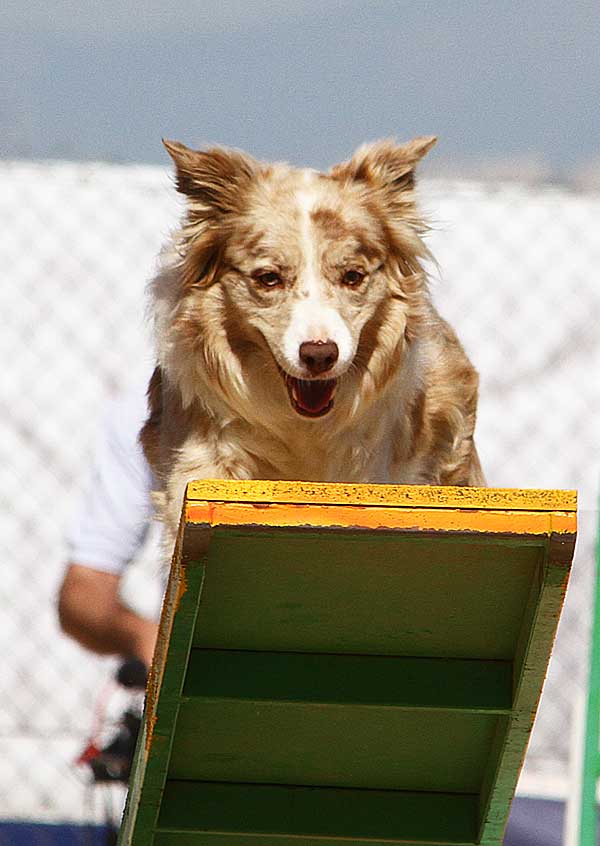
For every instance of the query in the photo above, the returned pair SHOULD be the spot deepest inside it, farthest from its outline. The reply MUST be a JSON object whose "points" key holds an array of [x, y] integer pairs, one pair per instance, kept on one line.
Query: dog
{"points": [[296, 337]]}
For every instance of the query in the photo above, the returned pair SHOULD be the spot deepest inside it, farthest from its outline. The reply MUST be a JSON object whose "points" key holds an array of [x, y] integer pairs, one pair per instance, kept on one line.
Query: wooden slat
{"points": [[465, 685], [532, 655], [231, 740], [211, 838], [245, 809], [449, 596], [420, 520], [409, 496], [163, 695]]}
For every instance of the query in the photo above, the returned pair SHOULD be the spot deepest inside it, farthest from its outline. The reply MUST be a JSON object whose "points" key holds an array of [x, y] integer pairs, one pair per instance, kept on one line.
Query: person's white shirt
{"points": [[115, 512]]}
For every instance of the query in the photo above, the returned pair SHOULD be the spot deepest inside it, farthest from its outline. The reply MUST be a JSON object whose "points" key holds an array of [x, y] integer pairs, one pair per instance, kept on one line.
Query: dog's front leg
{"points": [[198, 461]]}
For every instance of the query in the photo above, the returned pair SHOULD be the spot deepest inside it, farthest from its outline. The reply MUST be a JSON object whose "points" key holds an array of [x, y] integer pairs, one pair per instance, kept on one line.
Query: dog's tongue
{"points": [[314, 395]]}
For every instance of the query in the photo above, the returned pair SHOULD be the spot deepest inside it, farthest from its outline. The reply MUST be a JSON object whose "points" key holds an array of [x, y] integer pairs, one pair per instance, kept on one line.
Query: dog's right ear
{"points": [[212, 180]]}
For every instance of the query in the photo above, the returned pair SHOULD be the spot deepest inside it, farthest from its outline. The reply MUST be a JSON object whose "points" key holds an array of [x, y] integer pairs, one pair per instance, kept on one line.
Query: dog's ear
{"points": [[385, 164], [213, 179]]}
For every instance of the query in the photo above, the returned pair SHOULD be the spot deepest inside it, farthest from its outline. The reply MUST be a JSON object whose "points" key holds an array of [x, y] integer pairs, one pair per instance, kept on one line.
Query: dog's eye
{"points": [[268, 278], [353, 277]]}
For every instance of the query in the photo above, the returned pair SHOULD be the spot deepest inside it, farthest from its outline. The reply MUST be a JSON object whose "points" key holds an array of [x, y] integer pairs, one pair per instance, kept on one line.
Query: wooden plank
{"points": [[336, 745], [420, 520], [411, 496], [207, 838], [376, 680], [163, 694], [533, 652], [242, 809], [338, 592]]}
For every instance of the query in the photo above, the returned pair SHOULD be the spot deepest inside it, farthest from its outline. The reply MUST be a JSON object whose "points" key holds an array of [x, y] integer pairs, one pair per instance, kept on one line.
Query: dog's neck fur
{"points": [[347, 448], [376, 447]]}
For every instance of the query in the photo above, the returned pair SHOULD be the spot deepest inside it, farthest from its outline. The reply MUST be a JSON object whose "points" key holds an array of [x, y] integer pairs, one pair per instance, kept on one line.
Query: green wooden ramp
{"points": [[348, 664]]}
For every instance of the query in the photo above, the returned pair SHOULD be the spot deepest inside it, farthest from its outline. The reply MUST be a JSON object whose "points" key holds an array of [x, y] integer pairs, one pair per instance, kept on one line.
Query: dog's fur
{"points": [[270, 257]]}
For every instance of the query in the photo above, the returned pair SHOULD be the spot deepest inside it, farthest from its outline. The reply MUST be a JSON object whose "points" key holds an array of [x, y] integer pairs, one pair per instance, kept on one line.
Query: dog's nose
{"points": [[319, 356]]}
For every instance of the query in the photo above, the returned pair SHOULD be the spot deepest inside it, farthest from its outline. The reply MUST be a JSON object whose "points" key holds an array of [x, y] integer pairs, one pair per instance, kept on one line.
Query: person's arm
{"points": [[109, 528], [90, 611]]}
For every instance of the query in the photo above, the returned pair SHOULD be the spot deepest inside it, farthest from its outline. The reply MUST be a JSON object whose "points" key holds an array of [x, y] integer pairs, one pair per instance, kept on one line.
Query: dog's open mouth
{"points": [[311, 397]]}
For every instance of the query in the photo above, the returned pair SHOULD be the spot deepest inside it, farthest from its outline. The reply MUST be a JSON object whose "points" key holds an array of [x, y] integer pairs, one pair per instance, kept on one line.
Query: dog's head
{"points": [[292, 281]]}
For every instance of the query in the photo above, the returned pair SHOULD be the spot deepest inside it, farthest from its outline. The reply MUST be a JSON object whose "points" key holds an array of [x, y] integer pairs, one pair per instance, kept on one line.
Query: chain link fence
{"points": [[517, 277]]}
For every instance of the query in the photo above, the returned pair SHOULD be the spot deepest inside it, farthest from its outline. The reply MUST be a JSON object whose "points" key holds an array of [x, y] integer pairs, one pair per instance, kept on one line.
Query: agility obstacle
{"points": [[348, 664]]}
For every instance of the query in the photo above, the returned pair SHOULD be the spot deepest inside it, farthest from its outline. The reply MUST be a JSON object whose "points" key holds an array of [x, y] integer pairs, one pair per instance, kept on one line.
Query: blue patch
{"points": [[37, 834]]}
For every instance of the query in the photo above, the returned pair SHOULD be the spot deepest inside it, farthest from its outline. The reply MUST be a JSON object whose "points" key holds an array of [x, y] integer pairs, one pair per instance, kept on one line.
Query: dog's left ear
{"points": [[212, 180], [385, 164]]}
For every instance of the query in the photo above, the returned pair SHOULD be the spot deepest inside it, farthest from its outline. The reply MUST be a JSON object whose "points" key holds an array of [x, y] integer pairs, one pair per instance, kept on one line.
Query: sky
{"points": [[496, 80]]}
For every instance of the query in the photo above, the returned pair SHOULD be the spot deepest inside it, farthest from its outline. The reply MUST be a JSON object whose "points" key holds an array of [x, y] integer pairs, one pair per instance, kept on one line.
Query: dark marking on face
{"points": [[333, 225], [331, 222], [251, 240]]}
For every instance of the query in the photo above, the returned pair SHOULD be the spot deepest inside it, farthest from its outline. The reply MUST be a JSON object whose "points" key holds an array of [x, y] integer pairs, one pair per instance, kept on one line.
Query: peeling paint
{"points": [[150, 724], [433, 496]]}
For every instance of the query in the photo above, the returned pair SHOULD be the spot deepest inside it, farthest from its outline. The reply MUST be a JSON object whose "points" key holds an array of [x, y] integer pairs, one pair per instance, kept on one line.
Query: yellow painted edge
{"points": [[365, 517], [399, 496]]}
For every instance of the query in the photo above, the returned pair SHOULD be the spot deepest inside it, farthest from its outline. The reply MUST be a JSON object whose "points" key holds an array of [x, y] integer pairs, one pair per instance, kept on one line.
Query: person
{"points": [[110, 526]]}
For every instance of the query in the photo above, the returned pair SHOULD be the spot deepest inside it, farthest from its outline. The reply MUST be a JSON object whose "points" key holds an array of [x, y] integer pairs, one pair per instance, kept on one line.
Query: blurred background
{"points": [[86, 200]]}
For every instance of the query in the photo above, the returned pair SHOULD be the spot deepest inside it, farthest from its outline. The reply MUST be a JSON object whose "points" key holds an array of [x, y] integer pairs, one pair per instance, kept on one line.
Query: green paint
{"points": [[144, 798], [317, 812], [591, 757], [373, 680], [274, 742], [212, 838], [385, 594], [533, 650]]}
